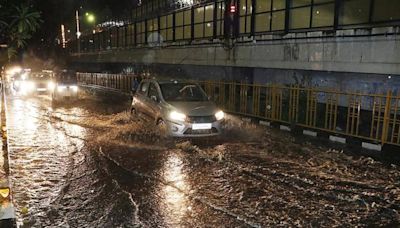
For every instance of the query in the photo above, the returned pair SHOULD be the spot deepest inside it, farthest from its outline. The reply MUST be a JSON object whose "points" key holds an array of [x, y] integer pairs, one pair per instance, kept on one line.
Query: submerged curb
{"points": [[7, 210]]}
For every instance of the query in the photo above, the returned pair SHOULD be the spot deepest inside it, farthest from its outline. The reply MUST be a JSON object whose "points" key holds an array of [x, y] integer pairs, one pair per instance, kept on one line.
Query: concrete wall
{"points": [[356, 60], [368, 53]]}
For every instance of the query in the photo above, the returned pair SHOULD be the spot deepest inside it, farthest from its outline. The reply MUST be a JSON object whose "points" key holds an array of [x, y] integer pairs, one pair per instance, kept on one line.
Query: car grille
{"points": [[190, 131], [41, 85], [201, 119]]}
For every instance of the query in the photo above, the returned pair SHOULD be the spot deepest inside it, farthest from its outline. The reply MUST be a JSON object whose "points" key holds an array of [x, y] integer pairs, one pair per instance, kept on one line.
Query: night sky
{"points": [[57, 12]]}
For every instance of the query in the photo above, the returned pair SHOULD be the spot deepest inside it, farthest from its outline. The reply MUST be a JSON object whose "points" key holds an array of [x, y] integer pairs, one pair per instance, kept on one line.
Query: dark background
{"points": [[57, 12]]}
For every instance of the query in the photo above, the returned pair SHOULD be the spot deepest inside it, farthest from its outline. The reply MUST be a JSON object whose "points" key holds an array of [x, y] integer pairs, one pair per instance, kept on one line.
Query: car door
{"points": [[140, 99], [154, 100]]}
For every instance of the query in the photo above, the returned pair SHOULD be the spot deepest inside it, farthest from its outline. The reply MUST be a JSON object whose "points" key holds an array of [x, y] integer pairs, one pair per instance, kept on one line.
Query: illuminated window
{"points": [[297, 3], [278, 21], [354, 12], [152, 31], [220, 18], [269, 15], [262, 22], [300, 18], [245, 11], [166, 28], [323, 15], [204, 21], [279, 4], [386, 10], [183, 25], [306, 14], [130, 35], [263, 6], [140, 32]]}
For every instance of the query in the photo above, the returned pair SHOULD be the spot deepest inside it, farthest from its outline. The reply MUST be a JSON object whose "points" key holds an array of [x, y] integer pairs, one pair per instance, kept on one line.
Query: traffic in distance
{"points": [[59, 85]]}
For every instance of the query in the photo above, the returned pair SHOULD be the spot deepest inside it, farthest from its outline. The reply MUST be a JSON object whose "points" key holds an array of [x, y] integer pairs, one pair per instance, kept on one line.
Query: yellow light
{"points": [[61, 88], [74, 88], [51, 85], [177, 116], [14, 70], [4, 192], [219, 115], [24, 76], [91, 18]]}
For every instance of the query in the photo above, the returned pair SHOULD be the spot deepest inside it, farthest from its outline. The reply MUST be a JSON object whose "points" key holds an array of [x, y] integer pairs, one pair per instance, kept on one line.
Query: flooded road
{"points": [[90, 164]]}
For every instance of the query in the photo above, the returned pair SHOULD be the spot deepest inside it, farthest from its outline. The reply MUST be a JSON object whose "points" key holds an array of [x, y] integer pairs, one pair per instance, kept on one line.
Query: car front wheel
{"points": [[162, 126]]}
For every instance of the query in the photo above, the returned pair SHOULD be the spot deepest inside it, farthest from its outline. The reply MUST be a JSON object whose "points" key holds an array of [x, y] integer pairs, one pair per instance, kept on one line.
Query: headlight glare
{"points": [[177, 116], [27, 86], [219, 115], [50, 85], [61, 88], [74, 88]]}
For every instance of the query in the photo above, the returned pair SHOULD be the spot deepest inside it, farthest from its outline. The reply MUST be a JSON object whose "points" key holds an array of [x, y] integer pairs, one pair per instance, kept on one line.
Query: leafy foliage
{"points": [[17, 24]]}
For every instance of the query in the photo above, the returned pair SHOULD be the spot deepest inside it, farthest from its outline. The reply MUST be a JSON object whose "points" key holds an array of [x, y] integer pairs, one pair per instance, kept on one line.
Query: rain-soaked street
{"points": [[89, 163]]}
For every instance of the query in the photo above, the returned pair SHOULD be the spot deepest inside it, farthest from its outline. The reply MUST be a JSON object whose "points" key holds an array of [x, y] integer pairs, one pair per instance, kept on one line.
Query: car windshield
{"points": [[40, 76], [182, 92], [66, 78]]}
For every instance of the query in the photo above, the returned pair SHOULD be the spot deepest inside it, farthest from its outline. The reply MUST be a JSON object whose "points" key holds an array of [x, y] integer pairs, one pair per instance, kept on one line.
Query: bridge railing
{"points": [[373, 117]]}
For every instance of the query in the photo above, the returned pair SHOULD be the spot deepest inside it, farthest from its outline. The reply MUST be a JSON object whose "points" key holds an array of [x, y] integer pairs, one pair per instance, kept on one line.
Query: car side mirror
{"points": [[154, 98]]}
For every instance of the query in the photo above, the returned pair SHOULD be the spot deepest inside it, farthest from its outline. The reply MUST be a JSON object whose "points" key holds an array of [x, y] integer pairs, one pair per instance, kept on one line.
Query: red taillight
{"points": [[233, 9]]}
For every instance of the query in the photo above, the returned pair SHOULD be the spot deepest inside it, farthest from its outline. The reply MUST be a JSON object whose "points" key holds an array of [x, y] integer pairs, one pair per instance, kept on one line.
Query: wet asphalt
{"points": [[89, 163]]}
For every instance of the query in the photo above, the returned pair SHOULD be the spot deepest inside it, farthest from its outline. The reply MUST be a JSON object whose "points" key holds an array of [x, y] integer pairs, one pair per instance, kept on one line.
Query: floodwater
{"points": [[90, 164]]}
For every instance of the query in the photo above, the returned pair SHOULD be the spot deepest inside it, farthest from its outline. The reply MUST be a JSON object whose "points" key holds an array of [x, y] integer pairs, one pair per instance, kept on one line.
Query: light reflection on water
{"points": [[25, 117], [176, 203], [40, 152]]}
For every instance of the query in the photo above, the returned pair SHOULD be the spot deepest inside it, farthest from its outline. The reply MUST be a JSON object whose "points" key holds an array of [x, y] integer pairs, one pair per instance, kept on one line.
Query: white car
{"points": [[34, 83], [65, 87], [182, 108]]}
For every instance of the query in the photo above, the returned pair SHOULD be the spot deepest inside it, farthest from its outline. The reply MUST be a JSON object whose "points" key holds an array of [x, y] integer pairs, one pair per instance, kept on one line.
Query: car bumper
{"points": [[66, 94], [42, 90], [185, 129]]}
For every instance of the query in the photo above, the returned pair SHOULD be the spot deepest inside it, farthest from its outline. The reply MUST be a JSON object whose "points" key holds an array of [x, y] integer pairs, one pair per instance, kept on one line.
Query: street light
{"points": [[78, 32], [90, 18]]}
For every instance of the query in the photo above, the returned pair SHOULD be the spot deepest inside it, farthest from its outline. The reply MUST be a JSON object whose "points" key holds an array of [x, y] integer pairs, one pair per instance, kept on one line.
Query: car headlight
{"points": [[51, 85], [74, 88], [177, 116], [61, 88], [31, 86], [27, 86], [219, 115]]}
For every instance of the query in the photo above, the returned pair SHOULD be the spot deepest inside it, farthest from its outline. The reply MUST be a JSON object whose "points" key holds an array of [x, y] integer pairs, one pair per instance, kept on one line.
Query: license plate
{"points": [[203, 126], [41, 89]]}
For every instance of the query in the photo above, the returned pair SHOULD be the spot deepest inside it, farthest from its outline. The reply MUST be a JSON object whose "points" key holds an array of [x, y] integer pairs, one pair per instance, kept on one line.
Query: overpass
{"points": [[353, 45]]}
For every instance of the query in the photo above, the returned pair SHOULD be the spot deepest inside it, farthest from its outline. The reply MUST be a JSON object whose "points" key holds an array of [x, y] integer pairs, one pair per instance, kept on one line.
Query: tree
{"points": [[18, 24]]}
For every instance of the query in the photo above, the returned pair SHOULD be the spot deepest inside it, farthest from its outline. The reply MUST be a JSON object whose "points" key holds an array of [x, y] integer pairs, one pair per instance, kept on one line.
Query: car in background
{"points": [[18, 82], [34, 83], [66, 86], [181, 108]]}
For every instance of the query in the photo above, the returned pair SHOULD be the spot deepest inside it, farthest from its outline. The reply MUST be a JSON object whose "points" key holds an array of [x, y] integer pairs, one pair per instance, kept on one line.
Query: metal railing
{"points": [[373, 117]]}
